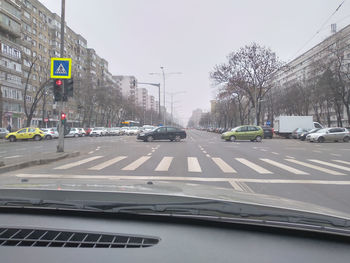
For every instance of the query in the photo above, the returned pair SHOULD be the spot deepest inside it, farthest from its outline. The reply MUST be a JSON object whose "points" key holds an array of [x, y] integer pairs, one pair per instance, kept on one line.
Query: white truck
{"points": [[285, 125]]}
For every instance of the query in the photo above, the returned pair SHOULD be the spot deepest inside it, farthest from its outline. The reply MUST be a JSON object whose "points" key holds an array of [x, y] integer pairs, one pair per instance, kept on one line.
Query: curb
{"points": [[17, 166]]}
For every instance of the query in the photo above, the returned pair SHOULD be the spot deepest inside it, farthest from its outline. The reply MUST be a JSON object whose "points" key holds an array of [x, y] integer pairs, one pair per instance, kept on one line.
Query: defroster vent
{"points": [[19, 237]]}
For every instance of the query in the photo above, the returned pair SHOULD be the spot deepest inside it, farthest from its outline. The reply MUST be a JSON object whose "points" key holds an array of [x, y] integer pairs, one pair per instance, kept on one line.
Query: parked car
{"points": [[87, 131], [163, 133], [147, 128], [3, 133], [50, 133], [304, 134], [268, 132], [73, 132], [336, 134], [82, 132], [298, 131], [98, 131], [112, 131], [26, 133], [247, 132], [133, 131]]}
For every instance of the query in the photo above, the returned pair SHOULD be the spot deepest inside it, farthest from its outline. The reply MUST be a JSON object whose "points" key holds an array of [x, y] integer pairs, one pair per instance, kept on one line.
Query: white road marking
{"points": [[283, 166], [13, 156], [205, 152], [134, 165], [153, 151], [235, 185], [319, 168], [341, 161], [193, 165], [253, 166], [331, 165], [263, 150], [290, 157], [207, 155], [316, 151], [171, 178], [73, 164], [90, 152], [335, 154], [275, 153], [107, 163], [149, 154], [223, 165], [164, 164]]}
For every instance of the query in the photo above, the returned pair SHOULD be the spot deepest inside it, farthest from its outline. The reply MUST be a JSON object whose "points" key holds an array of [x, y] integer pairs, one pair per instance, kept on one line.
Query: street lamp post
{"points": [[156, 85], [164, 74]]}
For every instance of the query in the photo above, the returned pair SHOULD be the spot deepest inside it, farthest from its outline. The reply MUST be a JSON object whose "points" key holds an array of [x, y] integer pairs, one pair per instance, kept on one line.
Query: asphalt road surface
{"points": [[309, 172]]}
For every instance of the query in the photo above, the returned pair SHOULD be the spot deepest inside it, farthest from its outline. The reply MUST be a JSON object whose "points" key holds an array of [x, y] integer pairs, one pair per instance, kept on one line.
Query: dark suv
{"points": [[163, 133], [268, 132]]}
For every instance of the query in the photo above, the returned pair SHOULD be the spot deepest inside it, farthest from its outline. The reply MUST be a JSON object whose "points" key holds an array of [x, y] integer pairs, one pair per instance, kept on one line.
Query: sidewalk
{"points": [[23, 161]]}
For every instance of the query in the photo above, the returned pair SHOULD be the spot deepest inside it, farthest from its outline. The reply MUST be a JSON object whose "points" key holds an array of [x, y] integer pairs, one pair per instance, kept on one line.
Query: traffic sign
{"points": [[61, 68], [46, 119], [268, 123]]}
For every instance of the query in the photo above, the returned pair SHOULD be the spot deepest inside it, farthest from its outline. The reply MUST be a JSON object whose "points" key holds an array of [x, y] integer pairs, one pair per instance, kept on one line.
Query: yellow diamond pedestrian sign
{"points": [[61, 68]]}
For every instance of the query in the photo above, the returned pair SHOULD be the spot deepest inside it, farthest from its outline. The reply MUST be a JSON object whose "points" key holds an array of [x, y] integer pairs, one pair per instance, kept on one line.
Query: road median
{"points": [[48, 158]]}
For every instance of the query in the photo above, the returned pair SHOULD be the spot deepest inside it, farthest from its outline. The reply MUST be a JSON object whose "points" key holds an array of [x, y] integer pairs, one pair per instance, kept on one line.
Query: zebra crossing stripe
{"points": [[223, 165], [283, 166], [70, 165], [107, 163], [341, 161], [134, 165], [319, 168], [193, 165], [164, 164], [235, 185], [331, 165], [253, 166]]}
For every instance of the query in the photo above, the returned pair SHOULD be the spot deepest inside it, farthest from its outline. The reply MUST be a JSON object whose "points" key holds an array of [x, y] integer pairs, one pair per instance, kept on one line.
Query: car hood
{"points": [[134, 191]]}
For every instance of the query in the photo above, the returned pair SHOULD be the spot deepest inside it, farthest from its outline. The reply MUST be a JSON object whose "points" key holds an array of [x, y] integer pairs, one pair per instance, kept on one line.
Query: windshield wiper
{"points": [[206, 209]]}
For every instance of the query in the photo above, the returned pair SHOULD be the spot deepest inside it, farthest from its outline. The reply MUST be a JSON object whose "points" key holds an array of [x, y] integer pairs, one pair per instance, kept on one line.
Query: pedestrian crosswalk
{"points": [[234, 166]]}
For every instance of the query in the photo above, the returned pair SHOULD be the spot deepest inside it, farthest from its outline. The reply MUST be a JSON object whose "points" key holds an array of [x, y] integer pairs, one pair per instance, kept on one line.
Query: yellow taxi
{"points": [[25, 134]]}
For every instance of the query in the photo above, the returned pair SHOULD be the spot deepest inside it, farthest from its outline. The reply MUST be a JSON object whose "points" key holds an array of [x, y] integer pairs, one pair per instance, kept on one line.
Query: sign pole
{"points": [[60, 146]]}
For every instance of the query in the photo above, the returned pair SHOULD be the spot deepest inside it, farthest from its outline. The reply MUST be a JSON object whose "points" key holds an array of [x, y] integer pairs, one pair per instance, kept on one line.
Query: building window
{"points": [[26, 14]]}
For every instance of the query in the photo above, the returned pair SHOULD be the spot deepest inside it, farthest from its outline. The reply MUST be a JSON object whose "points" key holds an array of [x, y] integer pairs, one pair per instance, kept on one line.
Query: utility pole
{"points": [[60, 146], [163, 74], [164, 117]]}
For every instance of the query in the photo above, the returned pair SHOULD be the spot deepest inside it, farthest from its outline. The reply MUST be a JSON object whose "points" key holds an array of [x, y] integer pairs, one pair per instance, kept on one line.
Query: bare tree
{"points": [[251, 70]]}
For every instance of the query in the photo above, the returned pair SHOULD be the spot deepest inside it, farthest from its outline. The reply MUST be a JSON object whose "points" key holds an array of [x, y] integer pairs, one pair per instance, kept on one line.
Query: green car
{"points": [[246, 132]]}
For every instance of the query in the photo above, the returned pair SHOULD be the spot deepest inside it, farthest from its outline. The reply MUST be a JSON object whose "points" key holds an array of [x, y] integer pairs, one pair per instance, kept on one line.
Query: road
{"points": [[310, 172]]}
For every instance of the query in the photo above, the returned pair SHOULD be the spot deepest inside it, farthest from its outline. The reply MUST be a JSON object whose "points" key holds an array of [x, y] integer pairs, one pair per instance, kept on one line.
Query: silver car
{"points": [[50, 133], [3, 133], [335, 134]]}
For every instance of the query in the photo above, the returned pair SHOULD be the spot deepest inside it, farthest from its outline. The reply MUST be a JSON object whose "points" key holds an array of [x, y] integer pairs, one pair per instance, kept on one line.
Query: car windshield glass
{"points": [[213, 99]]}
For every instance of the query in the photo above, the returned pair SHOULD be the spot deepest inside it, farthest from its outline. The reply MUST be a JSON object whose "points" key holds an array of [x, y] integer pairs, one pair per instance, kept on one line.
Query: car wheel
{"points": [[346, 139], [76, 135], [233, 138], [290, 136], [258, 138], [48, 137], [12, 139], [320, 139], [150, 139], [177, 138], [302, 139], [37, 138], [171, 140]]}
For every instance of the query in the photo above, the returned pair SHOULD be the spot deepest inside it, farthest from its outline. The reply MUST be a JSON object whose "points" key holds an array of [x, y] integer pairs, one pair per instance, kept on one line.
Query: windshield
{"points": [[169, 95]]}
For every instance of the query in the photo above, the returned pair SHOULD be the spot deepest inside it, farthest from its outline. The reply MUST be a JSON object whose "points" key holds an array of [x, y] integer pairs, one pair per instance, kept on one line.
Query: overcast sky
{"points": [[136, 37]]}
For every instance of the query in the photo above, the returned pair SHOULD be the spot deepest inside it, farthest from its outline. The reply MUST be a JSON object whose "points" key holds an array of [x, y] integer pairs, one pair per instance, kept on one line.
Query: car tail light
{"points": [[52, 132]]}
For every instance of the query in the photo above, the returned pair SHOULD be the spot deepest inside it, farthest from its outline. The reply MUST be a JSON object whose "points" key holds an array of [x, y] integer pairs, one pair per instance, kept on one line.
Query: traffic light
{"points": [[68, 88], [63, 118], [57, 89]]}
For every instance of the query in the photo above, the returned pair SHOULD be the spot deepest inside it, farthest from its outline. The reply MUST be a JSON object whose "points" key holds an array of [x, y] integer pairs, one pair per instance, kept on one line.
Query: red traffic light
{"points": [[63, 116], [59, 82]]}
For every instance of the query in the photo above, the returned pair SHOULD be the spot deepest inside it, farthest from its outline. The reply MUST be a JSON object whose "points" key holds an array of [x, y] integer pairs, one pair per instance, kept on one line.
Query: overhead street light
{"points": [[164, 74]]}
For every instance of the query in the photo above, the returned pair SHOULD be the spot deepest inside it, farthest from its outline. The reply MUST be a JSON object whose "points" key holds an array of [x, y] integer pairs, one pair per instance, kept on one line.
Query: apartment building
{"points": [[11, 92], [302, 68], [151, 103]]}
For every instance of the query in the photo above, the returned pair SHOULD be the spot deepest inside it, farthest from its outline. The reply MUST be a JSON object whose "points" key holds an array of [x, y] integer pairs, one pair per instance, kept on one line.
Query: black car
{"points": [[304, 134], [163, 133], [268, 132]]}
